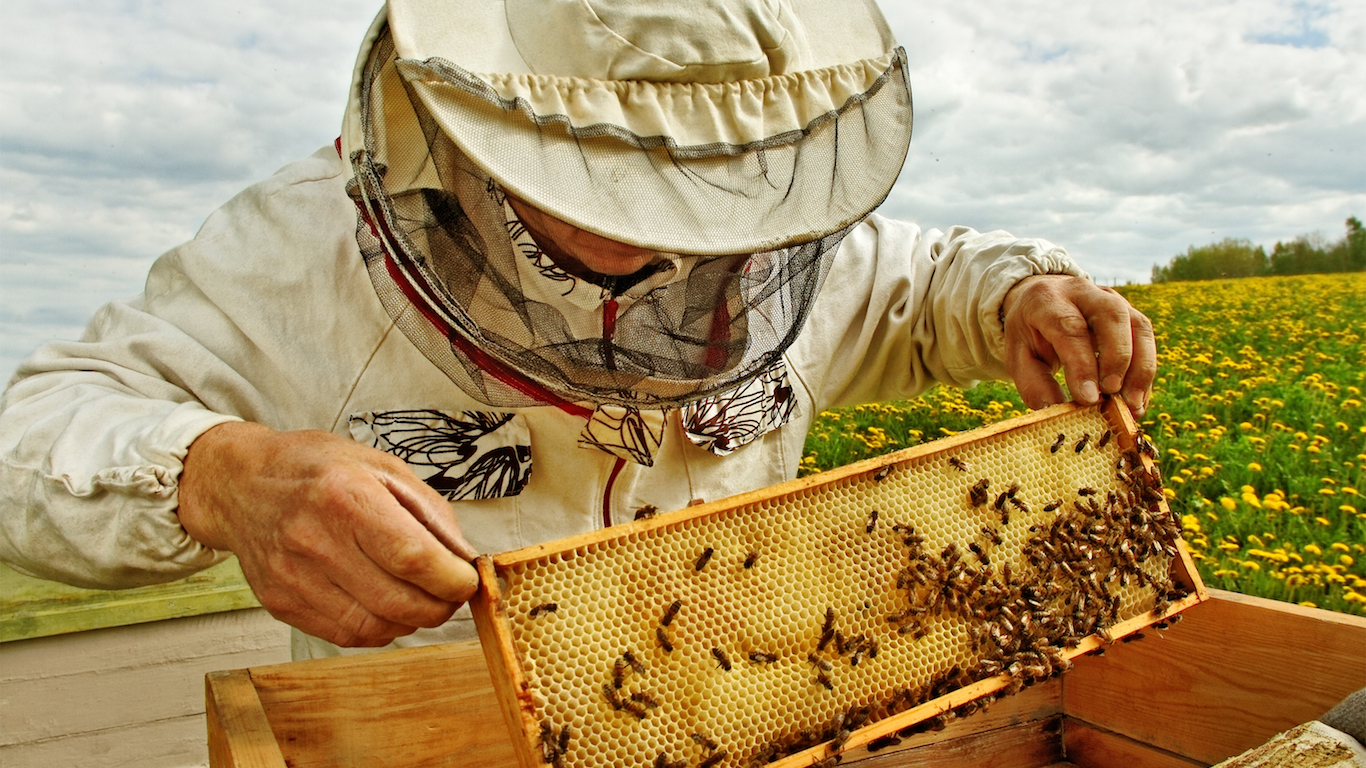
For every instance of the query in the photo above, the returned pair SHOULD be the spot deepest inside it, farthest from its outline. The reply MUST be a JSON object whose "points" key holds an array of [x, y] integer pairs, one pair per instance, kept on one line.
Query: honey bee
{"points": [[759, 657], [823, 678], [630, 659], [721, 658], [1062, 437], [550, 749], [1146, 447], [981, 555], [543, 609], [751, 558], [704, 742], [704, 558], [978, 493], [618, 672], [1020, 504], [881, 474], [664, 641], [645, 700], [883, 742], [1104, 439], [818, 662], [1086, 491], [1001, 501], [613, 698], [1082, 443], [646, 512], [872, 522], [671, 612], [992, 535], [1133, 637], [714, 759], [958, 464], [663, 761]]}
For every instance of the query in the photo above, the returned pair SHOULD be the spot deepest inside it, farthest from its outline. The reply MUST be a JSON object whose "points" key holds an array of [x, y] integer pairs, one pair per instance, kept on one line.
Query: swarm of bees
{"points": [[1023, 610]]}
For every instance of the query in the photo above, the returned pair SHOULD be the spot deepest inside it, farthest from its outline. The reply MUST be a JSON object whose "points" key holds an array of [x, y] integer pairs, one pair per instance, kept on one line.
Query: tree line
{"points": [[1240, 258]]}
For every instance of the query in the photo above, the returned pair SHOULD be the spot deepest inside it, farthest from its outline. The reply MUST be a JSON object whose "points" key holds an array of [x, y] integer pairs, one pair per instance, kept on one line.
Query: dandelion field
{"points": [[1258, 410]]}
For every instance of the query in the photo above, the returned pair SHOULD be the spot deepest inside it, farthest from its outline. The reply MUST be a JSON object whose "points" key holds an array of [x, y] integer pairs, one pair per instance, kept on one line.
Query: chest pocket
{"points": [[463, 455]]}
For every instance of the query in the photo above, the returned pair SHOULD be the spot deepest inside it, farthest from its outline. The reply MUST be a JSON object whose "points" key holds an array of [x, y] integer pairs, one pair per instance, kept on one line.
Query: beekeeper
{"points": [[568, 259]]}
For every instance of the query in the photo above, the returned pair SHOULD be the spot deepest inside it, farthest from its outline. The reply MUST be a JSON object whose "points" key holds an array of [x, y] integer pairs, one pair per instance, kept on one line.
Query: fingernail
{"points": [[1137, 400], [1087, 392], [1113, 383]]}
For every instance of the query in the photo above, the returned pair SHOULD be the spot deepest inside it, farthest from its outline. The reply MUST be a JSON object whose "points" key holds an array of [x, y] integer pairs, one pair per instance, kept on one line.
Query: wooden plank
{"points": [[1235, 672], [510, 685], [239, 731], [1028, 745], [31, 608], [1036, 703], [428, 707], [1089, 747]]}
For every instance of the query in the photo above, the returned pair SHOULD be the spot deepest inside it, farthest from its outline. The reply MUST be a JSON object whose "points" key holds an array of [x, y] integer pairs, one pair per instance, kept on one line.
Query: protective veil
{"points": [[743, 187]]}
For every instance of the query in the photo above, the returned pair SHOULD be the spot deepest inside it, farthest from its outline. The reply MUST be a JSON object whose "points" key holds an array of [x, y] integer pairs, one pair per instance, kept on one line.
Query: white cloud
{"points": [[1125, 131]]}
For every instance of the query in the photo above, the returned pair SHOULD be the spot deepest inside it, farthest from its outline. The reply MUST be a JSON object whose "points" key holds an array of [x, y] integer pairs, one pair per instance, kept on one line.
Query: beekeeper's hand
{"points": [[1101, 343], [338, 539]]}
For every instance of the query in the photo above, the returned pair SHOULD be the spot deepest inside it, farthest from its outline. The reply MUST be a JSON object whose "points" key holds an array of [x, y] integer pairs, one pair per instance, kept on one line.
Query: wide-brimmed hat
{"points": [[686, 126]]}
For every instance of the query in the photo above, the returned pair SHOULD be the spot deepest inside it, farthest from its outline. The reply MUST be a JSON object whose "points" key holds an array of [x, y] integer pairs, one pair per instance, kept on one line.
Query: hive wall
{"points": [[806, 615]]}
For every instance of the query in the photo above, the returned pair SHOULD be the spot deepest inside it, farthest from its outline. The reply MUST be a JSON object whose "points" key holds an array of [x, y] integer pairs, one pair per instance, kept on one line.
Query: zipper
{"points": [[607, 492]]}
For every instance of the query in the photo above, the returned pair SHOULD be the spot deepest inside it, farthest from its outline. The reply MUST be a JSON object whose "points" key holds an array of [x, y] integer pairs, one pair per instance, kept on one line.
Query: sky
{"points": [[1125, 132]]}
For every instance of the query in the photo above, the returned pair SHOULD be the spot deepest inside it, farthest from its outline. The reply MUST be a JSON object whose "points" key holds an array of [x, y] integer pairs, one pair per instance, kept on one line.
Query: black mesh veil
{"points": [[466, 283]]}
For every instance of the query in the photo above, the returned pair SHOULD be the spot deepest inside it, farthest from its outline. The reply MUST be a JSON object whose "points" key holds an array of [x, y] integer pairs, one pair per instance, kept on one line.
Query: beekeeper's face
{"points": [[577, 251]]}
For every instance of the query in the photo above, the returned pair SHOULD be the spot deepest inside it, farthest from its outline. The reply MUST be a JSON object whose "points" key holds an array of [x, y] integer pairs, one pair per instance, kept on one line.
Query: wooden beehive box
{"points": [[850, 609]]}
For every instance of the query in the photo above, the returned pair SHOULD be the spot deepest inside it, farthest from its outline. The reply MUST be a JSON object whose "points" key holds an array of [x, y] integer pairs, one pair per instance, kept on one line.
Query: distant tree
{"points": [[1354, 245], [1238, 258], [1226, 258]]}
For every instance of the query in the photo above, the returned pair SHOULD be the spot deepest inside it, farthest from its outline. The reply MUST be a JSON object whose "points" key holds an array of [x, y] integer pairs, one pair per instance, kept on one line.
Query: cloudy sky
{"points": [[1125, 131]]}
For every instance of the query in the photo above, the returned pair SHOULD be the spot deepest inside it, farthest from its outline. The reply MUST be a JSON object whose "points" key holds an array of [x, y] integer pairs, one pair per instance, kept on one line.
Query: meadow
{"points": [[1258, 413]]}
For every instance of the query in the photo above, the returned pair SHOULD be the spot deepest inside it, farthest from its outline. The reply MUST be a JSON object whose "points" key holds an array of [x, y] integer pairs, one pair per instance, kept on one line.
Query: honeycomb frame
{"points": [[661, 664]]}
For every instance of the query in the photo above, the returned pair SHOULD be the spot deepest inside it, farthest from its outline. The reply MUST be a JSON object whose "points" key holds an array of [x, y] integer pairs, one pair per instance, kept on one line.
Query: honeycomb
{"points": [[737, 636]]}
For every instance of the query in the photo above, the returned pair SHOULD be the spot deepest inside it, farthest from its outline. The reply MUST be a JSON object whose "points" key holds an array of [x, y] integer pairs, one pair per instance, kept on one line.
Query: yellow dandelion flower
{"points": [[1313, 549], [1228, 503], [1346, 560], [1254, 467], [1322, 521], [1308, 604]]}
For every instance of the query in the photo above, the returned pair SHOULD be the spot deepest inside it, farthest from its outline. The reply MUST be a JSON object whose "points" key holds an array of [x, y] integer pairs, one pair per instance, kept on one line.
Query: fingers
{"points": [[338, 539], [1029, 365], [1102, 344]]}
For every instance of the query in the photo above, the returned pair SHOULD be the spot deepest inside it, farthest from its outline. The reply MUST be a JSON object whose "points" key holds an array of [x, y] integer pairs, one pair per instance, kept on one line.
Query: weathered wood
{"points": [[239, 731], [1038, 702], [510, 685], [427, 707], [1028, 745], [1089, 747], [1237, 671]]}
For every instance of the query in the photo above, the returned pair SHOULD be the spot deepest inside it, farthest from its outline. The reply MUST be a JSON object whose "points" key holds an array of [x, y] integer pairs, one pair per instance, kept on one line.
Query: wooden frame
{"points": [[1237, 671], [514, 690]]}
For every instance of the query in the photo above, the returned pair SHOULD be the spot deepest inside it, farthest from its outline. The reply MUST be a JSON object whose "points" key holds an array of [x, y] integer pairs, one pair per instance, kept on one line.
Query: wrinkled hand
{"points": [[1101, 343], [338, 539]]}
